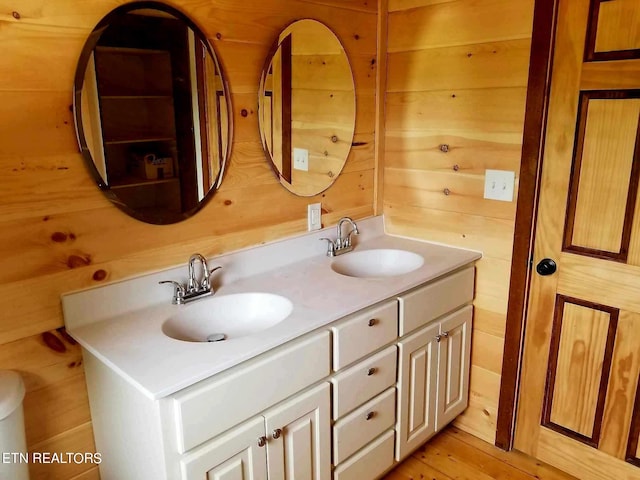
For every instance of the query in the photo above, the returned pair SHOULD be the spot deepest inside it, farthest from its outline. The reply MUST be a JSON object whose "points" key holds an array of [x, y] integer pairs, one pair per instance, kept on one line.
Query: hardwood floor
{"points": [[456, 455]]}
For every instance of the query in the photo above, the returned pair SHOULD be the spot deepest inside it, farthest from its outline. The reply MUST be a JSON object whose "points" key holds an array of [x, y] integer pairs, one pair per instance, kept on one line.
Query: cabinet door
{"points": [[237, 455], [298, 433], [417, 376], [453, 366]]}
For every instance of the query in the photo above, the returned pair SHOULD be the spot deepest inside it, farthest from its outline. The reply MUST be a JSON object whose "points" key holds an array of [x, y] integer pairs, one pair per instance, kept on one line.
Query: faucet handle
{"points": [[206, 281], [331, 250], [178, 291], [214, 269]]}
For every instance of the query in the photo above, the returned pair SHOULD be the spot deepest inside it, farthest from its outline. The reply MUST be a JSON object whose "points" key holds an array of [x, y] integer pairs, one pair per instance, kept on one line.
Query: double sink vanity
{"points": [[328, 355], [299, 366]]}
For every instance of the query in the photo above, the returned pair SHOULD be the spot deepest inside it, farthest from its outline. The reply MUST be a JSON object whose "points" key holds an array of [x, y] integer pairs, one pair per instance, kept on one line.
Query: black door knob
{"points": [[546, 267]]}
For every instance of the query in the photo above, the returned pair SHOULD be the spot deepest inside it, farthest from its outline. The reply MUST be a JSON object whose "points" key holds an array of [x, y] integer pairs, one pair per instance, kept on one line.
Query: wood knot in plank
{"points": [[76, 261], [53, 342], [59, 237], [99, 275]]}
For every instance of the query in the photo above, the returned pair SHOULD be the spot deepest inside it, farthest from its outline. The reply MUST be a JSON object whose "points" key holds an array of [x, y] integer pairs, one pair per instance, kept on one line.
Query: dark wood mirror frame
{"points": [[192, 204]]}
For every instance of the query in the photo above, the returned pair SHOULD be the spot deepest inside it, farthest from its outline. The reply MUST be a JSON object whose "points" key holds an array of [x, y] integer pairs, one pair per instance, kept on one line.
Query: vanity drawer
{"points": [[422, 305], [210, 407], [369, 463], [363, 425], [361, 382], [364, 333]]}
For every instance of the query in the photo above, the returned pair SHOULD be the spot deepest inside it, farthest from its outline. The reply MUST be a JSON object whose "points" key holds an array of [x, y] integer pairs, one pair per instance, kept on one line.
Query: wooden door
{"points": [[237, 455], [579, 407], [299, 437], [417, 379], [453, 366]]}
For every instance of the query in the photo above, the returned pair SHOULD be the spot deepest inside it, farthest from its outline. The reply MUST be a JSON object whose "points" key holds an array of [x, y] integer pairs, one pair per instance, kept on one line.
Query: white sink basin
{"points": [[227, 317], [377, 263]]}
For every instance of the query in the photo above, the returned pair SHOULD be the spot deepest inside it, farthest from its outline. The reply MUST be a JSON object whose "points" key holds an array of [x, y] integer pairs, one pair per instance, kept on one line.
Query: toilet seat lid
{"points": [[11, 392]]}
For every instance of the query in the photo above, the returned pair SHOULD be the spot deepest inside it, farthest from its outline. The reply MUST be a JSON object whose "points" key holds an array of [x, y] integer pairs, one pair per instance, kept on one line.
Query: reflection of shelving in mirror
{"points": [[148, 71], [138, 140], [138, 106], [126, 182], [153, 112]]}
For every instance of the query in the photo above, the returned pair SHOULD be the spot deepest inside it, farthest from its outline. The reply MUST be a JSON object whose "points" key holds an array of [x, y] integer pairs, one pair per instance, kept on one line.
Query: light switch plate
{"points": [[314, 216], [301, 159], [499, 184]]}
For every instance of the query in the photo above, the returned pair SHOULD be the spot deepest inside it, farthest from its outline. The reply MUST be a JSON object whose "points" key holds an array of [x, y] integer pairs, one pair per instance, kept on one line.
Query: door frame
{"points": [[535, 122]]}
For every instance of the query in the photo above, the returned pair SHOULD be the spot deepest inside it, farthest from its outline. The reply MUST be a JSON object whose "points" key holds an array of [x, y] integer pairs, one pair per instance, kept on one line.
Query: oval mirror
{"points": [[151, 108], [307, 107]]}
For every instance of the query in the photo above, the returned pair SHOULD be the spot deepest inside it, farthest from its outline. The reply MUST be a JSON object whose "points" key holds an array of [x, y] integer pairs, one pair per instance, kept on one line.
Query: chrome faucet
{"points": [[342, 244], [195, 287]]}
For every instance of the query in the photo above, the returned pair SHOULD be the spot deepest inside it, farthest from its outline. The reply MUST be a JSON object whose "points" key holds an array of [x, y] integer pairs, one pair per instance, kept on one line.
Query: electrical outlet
{"points": [[314, 216], [301, 159], [498, 185]]}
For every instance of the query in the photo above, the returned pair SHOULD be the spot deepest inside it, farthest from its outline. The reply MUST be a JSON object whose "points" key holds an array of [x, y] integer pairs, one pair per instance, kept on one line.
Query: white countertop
{"points": [[121, 323]]}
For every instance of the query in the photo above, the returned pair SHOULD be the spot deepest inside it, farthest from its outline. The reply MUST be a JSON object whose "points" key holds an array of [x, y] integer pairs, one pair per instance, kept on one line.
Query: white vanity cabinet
{"points": [[433, 379], [288, 442], [345, 402]]}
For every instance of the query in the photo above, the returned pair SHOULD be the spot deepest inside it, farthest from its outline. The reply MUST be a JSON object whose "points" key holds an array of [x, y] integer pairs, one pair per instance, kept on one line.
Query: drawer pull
{"points": [[276, 433], [372, 322], [262, 441], [370, 415], [371, 371]]}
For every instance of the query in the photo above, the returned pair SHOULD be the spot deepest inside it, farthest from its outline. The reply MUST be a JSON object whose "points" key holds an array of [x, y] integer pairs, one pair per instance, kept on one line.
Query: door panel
{"points": [[298, 449], [598, 208], [298, 432], [578, 371], [618, 410], [233, 456], [633, 449], [580, 413], [453, 377], [417, 377], [614, 31]]}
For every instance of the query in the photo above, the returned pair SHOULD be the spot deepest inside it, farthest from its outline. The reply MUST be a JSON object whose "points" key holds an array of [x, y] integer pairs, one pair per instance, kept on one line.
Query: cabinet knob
{"points": [[438, 338], [370, 415], [276, 433], [371, 371], [445, 334], [262, 441], [372, 322]]}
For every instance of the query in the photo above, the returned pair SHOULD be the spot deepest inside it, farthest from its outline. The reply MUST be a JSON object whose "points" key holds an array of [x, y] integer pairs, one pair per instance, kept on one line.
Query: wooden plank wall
{"points": [[58, 233], [457, 76]]}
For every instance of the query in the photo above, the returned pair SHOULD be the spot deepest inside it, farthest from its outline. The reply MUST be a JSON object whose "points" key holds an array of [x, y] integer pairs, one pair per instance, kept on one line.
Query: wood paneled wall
{"points": [[57, 231], [457, 76]]}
